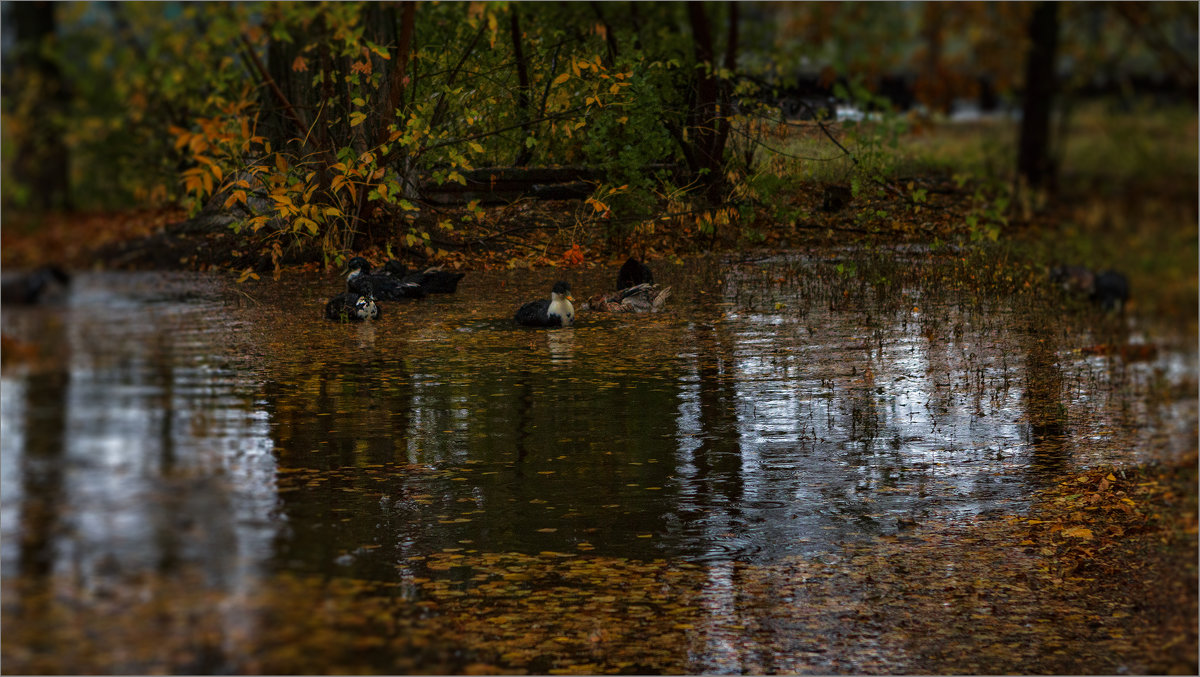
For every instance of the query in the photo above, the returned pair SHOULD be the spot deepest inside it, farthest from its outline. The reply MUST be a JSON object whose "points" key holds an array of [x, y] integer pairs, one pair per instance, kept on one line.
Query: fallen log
{"points": [[497, 185]]}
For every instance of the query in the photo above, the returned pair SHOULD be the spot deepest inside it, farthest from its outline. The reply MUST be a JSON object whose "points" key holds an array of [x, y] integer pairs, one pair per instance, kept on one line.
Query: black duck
{"points": [[36, 286], [383, 287], [633, 273], [433, 280], [556, 311]]}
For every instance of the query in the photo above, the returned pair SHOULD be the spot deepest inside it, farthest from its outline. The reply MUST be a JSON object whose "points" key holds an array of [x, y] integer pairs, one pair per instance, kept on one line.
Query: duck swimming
{"points": [[633, 273], [383, 287], [636, 292], [1108, 289], [642, 298], [556, 311], [351, 307], [45, 283], [433, 280]]}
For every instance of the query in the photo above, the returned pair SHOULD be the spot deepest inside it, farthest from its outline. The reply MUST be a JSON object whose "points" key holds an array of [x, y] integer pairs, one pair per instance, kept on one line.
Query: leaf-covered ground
{"points": [[1100, 577]]}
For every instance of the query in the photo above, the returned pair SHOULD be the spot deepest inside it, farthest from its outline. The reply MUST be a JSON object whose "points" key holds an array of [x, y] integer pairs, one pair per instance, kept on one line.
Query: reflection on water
{"points": [[183, 422], [134, 443]]}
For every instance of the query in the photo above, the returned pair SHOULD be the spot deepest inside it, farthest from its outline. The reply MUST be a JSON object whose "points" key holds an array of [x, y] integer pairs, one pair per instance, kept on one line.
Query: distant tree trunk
{"points": [[1034, 161], [709, 122], [41, 162], [933, 84]]}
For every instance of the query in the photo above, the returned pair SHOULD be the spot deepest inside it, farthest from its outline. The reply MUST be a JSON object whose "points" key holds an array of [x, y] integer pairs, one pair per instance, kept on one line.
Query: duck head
{"points": [[560, 303], [357, 266]]}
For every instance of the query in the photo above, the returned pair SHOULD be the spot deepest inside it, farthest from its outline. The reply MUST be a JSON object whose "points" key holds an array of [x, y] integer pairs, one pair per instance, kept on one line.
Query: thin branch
{"points": [[480, 135], [440, 109]]}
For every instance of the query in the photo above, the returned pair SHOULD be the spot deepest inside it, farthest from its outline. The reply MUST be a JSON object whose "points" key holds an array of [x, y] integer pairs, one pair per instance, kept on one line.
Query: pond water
{"points": [[780, 408]]}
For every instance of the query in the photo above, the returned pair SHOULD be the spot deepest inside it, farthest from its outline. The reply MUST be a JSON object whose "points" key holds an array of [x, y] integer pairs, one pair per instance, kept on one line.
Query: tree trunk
{"points": [[706, 121], [1034, 161], [41, 162], [398, 76], [524, 103]]}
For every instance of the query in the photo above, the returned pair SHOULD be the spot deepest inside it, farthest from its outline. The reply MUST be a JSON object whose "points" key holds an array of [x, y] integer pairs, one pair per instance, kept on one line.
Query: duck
{"points": [[383, 287], [633, 273], [556, 311], [42, 284], [1108, 289], [642, 298], [352, 307], [1073, 279], [433, 280], [636, 292]]}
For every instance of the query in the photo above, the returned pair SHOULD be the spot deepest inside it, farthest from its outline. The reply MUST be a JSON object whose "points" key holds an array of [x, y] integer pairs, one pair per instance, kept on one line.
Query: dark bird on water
{"points": [[1108, 289], [556, 311], [433, 280], [35, 286], [642, 298], [633, 273], [352, 307], [383, 287], [636, 292]]}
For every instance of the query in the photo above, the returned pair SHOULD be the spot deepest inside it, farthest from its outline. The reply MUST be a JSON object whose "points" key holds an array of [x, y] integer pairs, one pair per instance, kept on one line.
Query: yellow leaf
{"points": [[1082, 533], [307, 223], [562, 78]]}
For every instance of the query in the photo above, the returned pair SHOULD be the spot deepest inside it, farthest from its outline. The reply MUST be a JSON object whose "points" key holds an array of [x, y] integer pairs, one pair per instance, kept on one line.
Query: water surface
{"points": [[781, 408]]}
